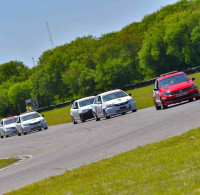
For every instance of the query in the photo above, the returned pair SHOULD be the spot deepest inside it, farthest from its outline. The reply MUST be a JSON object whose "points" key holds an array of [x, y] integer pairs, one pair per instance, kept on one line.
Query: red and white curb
{"points": [[22, 158]]}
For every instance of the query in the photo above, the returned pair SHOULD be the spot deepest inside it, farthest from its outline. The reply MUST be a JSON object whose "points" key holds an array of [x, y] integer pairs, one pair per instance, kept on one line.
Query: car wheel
{"points": [[197, 98], [7, 135], [123, 113], [46, 128], [96, 117], [73, 120], [83, 121], [105, 114], [156, 106], [19, 134], [190, 100], [163, 105], [2, 136], [134, 110]]}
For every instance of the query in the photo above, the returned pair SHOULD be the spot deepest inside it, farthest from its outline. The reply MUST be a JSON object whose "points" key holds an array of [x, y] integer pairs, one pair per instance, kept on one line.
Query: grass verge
{"points": [[171, 166], [142, 96], [7, 162]]}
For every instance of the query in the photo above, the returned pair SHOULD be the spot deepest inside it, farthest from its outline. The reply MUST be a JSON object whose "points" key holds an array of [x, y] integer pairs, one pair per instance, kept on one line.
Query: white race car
{"points": [[8, 126], [30, 121], [112, 103], [82, 109]]}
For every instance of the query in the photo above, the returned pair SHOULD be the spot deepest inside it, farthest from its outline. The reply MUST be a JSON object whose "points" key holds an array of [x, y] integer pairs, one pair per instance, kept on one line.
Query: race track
{"points": [[67, 146]]}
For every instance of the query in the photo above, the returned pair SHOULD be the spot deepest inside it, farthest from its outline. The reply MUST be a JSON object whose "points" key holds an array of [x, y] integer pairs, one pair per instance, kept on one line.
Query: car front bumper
{"points": [[9, 132], [86, 115], [172, 99], [121, 109], [36, 127]]}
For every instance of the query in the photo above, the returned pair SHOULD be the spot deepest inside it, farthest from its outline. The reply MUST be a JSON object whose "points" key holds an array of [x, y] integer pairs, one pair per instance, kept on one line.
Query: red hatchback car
{"points": [[174, 87]]}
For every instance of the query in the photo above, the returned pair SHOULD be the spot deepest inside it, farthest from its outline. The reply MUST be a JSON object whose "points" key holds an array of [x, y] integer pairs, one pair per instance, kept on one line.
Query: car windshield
{"points": [[30, 116], [114, 95], [86, 102], [173, 80], [10, 121]]}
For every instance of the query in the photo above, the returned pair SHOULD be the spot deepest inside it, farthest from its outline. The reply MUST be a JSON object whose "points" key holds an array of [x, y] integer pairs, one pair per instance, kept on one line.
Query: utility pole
{"points": [[19, 108], [50, 37], [33, 61]]}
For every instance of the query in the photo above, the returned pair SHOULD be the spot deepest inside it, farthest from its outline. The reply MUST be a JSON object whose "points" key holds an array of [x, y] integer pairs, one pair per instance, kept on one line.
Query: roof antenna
{"points": [[51, 40]]}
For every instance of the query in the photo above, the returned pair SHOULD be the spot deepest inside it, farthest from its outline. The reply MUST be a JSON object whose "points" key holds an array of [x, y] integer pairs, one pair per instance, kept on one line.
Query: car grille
{"points": [[181, 98], [180, 91], [35, 123], [121, 104]]}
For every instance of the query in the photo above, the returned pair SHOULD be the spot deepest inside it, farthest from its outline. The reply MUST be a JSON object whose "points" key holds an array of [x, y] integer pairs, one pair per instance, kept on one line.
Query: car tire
{"points": [[156, 106], [96, 117], [163, 105], [123, 113], [2, 136], [19, 134], [73, 120], [197, 98], [134, 110], [105, 114], [83, 121], [45, 128], [191, 100]]}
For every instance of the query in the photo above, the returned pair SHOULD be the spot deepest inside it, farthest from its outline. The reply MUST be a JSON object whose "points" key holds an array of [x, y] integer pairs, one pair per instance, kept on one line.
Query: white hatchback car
{"points": [[82, 109], [112, 103], [8, 126], [30, 121]]}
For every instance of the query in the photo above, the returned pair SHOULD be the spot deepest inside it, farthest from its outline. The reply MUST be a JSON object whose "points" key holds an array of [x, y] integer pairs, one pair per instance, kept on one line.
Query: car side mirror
{"points": [[43, 115], [193, 79], [130, 94]]}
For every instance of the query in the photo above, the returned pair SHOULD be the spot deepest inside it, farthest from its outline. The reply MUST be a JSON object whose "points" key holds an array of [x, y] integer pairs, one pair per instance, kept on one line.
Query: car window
{"points": [[99, 99], [173, 80], [10, 121], [73, 106], [96, 99], [114, 95], [76, 105], [156, 85], [30, 116], [86, 102]]}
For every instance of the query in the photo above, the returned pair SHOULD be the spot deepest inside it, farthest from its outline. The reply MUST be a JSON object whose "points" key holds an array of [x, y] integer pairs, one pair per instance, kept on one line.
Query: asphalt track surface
{"points": [[67, 146]]}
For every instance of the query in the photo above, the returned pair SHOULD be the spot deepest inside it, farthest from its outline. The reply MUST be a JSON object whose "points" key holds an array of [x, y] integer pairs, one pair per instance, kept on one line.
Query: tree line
{"points": [[166, 40]]}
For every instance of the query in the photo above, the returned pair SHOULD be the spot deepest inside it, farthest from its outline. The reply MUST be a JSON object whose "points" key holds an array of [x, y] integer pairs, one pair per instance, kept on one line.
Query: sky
{"points": [[23, 30]]}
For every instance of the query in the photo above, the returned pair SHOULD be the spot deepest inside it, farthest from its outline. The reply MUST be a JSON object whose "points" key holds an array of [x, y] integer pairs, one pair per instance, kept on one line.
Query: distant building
{"points": [[31, 104]]}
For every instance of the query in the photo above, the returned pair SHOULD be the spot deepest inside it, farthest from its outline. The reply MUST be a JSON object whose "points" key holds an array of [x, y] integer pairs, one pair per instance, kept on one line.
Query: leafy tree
{"points": [[18, 93]]}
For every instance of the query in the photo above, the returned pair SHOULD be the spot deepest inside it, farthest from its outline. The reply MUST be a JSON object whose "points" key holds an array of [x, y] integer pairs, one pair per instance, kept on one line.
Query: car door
{"points": [[19, 126], [76, 112], [99, 107], [1, 128], [156, 93], [72, 111]]}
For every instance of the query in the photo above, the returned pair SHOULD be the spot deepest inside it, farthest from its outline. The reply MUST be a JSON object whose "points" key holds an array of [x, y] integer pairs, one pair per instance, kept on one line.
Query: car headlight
{"points": [[193, 86], [26, 125], [131, 100], [166, 93], [109, 105]]}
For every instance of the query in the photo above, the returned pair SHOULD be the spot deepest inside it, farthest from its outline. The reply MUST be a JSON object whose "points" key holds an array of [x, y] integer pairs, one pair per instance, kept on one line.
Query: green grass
{"points": [[58, 116], [7, 162], [142, 96], [171, 166]]}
